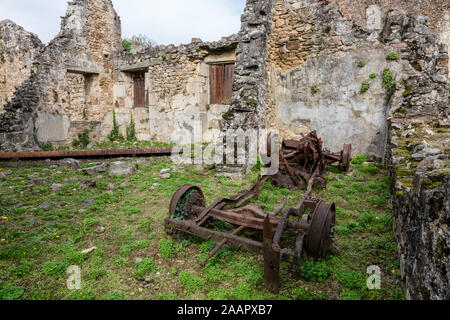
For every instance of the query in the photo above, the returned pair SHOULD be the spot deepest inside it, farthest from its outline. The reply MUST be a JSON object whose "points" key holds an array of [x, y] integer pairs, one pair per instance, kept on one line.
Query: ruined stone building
{"points": [[373, 73]]}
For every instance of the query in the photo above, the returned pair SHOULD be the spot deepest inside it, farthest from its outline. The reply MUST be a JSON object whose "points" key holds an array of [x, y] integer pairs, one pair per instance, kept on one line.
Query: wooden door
{"points": [[221, 83], [139, 90]]}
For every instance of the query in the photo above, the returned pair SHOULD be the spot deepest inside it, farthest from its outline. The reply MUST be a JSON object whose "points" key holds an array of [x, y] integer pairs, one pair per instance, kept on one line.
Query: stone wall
{"points": [[90, 37], [315, 79], [18, 49], [418, 157], [177, 88]]}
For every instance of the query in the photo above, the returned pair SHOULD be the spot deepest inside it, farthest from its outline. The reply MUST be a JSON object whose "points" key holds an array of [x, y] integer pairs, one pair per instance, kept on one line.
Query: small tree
{"points": [[115, 134], [131, 130]]}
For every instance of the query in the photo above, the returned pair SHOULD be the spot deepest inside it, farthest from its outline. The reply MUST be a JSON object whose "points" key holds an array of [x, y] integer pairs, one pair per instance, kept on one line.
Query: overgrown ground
{"points": [[37, 246]]}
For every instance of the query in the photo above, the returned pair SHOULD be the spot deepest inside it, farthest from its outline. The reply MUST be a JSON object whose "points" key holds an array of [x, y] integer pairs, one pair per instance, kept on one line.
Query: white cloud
{"points": [[167, 21]]}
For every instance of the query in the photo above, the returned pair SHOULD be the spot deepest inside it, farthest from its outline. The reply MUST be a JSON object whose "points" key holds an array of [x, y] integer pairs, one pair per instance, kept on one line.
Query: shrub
{"points": [[131, 130], [115, 134]]}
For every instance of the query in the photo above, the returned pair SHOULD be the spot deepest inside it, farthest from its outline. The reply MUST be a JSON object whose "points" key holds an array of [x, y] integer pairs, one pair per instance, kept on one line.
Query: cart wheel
{"points": [[346, 157], [182, 201], [321, 230]]}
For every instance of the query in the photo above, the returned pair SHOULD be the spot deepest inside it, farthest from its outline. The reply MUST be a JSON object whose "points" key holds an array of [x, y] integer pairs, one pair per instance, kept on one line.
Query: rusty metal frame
{"points": [[255, 218], [86, 154]]}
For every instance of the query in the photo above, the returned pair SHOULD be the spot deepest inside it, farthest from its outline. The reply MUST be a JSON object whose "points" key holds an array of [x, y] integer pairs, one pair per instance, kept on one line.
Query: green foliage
{"points": [[114, 296], [144, 225], [350, 279], [74, 257], [208, 107], [55, 269], [126, 45], [131, 130], [216, 274], [361, 64], [10, 292], [167, 248], [82, 141], [120, 261], [141, 244], [365, 87], [314, 89], [347, 294], [115, 134], [393, 56], [168, 296], [389, 83], [370, 168], [314, 271], [359, 159], [301, 294], [191, 282], [22, 269], [373, 75], [97, 273], [125, 250], [80, 295], [144, 266]]}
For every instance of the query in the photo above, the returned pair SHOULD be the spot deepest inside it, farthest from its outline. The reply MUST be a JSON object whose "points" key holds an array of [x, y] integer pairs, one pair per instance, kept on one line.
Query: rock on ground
{"points": [[120, 168]]}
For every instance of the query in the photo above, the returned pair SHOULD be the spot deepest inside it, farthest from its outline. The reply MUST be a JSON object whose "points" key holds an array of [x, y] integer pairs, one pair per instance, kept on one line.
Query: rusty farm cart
{"points": [[312, 232]]}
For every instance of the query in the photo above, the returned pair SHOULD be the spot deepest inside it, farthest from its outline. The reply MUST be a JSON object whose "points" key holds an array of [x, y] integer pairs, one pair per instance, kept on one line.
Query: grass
{"points": [[38, 245]]}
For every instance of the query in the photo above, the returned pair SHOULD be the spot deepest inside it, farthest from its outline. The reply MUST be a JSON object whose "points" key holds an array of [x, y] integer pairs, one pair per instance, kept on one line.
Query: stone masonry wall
{"points": [[315, 79], [90, 37], [177, 85], [18, 49], [418, 157]]}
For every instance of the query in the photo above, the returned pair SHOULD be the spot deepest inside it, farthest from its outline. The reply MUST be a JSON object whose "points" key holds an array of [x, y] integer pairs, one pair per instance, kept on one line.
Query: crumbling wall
{"points": [[418, 157], [90, 36], [249, 88], [177, 88], [318, 61], [18, 49]]}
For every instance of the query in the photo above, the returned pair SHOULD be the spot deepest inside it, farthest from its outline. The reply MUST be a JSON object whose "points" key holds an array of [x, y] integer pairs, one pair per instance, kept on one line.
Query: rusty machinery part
{"points": [[183, 200], [85, 154], [346, 157], [321, 230]]}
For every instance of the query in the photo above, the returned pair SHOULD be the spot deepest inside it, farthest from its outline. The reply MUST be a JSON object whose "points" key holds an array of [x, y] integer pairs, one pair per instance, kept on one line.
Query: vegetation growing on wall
{"points": [[131, 130], [393, 56], [82, 141], [389, 83], [314, 89], [365, 87], [115, 133], [126, 45]]}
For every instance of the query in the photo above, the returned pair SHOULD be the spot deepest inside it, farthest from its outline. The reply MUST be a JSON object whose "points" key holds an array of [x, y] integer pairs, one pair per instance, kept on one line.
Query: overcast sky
{"points": [[164, 21]]}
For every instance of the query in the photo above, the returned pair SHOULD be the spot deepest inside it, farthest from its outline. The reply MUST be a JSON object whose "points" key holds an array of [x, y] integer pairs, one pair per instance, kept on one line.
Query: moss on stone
{"points": [[252, 103], [402, 172]]}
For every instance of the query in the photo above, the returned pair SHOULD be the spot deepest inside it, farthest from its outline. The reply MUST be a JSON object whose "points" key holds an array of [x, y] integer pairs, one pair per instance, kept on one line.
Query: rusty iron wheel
{"points": [[346, 157], [321, 230], [196, 198]]}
